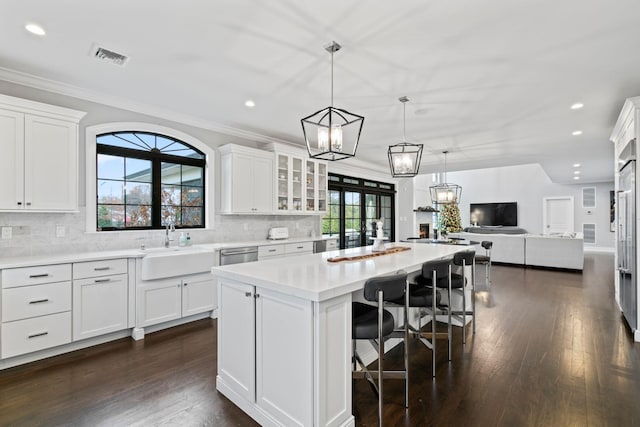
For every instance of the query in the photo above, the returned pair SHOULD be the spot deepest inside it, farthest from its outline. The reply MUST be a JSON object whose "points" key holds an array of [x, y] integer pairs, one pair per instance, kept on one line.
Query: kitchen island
{"points": [[284, 331]]}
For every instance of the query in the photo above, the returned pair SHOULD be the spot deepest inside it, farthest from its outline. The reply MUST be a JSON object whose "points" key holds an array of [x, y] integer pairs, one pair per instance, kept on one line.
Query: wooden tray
{"points": [[369, 255]]}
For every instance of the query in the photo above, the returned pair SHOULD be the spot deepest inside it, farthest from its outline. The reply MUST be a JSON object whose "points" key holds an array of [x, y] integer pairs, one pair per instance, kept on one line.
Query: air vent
{"points": [[589, 197], [109, 55], [589, 233]]}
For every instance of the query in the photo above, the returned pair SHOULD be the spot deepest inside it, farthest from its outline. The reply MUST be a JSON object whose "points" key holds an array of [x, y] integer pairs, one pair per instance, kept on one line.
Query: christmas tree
{"points": [[450, 221]]}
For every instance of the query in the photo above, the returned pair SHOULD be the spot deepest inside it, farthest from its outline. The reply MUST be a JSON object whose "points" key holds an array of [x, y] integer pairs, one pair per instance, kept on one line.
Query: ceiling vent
{"points": [[108, 55]]}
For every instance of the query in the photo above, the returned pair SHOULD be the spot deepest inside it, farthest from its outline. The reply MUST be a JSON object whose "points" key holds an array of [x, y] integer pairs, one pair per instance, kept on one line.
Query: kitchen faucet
{"points": [[167, 239]]}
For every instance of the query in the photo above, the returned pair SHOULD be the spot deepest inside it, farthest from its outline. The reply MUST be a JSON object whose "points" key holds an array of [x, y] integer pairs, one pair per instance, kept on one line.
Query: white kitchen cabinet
{"points": [[39, 166], [282, 250], [262, 324], [301, 184], [100, 297], [36, 309], [172, 298], [246, 180]]}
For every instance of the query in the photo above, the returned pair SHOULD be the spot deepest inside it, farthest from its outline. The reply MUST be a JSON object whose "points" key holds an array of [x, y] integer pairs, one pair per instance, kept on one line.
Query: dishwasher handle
{"points": [[239, 251]]}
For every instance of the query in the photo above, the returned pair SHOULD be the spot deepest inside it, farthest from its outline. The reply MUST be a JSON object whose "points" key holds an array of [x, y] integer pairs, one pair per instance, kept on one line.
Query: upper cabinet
{"points": [[301, 184], [39, 165], [246, 180]]}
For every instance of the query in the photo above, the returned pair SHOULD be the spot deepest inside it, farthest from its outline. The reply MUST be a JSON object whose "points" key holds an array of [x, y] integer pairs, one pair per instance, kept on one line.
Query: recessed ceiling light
{"points": [[576, 177], [249, 103], [576, 165], [576, 172], [35, 29], [576, 132], [577, 106]]}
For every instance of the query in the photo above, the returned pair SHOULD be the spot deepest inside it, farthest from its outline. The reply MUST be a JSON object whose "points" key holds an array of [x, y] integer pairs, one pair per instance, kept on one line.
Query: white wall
{"points": [[527, 185]]}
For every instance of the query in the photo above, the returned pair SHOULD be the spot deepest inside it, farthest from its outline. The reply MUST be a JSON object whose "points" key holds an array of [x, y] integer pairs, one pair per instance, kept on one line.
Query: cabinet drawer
{"points": [[270, 250], [83, 270], [293, 248], [25, 336], [25, 276], [39, 300], [332, 244]]}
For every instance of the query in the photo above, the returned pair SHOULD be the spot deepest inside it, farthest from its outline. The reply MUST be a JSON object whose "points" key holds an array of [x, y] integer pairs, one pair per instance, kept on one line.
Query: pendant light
{"points": [[445, 193], [404, 158], [332, 133]]}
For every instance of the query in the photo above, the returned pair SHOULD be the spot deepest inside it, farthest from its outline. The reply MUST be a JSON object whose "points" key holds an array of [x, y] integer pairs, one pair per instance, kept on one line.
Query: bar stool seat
{"points": [[365, 321]]}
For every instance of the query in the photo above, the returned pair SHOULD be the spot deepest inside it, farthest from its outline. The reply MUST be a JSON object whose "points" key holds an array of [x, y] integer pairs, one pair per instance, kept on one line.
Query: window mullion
{"points": [[156, 196]]}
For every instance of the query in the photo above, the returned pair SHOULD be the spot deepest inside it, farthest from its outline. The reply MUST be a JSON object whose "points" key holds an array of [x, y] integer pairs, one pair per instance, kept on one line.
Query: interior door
{"points": [[557, 216]]}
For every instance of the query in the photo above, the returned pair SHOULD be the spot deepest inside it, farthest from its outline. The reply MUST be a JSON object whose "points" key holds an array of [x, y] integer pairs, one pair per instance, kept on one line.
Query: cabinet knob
{"points": [[185, 284], [28, 203], [257, 295], [19, 203], [247, 294]]}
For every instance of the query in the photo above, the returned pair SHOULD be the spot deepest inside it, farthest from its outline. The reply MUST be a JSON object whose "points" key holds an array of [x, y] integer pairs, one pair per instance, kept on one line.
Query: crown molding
{"points": [[65, 89]]}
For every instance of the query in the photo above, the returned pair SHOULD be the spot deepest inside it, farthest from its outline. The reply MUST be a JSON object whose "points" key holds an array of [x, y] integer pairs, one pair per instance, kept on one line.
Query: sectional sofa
{"points": [[556, 251]]}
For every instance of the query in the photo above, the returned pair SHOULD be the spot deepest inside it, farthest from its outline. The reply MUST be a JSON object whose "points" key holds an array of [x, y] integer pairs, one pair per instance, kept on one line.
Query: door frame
{"points": [[545, 201]]}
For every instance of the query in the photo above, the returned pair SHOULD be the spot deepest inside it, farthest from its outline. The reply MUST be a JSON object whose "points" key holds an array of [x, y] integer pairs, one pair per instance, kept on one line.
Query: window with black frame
{"points": [[147, 181]]}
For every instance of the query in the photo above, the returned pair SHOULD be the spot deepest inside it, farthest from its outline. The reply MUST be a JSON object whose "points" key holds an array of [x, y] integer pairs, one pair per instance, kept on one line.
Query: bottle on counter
{"points": [[188, 240], [182, 241]]}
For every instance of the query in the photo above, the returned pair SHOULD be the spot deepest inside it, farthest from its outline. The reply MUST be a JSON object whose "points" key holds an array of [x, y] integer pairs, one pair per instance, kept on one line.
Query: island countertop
{"points": [[314, 278]]}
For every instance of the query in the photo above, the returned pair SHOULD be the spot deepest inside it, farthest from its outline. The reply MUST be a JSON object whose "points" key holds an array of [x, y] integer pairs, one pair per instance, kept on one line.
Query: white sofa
{"points": [[530, 249]]}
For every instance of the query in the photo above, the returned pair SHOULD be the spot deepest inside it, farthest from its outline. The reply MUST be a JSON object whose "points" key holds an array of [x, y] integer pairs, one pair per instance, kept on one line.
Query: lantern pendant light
{"points": [[404, 158], [332, 133], [445, 193]]}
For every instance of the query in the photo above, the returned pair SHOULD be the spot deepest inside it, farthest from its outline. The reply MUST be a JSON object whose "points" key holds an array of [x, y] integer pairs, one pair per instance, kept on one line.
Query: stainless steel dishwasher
{"points": [[238, 255]]}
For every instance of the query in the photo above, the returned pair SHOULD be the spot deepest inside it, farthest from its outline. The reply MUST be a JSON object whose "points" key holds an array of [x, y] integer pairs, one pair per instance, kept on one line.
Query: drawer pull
{"points": [[300, 247], [35, 276], [101, 268], [40, 334], [247, 294], [101, 280], [38, 301], [272, 250]]}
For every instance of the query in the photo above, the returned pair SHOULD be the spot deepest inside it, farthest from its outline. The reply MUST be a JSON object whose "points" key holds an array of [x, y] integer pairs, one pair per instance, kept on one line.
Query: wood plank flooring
{"points": [[551, 349]]}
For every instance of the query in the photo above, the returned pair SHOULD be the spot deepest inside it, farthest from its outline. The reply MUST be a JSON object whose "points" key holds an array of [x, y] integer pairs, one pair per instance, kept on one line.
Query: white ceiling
{"points": [[490, 81]]}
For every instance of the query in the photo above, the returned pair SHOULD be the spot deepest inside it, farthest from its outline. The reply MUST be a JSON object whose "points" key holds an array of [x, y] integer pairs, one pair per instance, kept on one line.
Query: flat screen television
{"points": [[494, 214]]}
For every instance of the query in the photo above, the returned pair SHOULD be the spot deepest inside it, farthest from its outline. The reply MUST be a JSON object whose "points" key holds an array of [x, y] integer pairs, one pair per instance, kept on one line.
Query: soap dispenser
{"points": [[182, 241], [188, 240]]}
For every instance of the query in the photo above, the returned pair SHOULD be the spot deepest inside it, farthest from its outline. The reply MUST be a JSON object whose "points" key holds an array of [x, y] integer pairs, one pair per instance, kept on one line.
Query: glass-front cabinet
{"points": [[301, 184]]}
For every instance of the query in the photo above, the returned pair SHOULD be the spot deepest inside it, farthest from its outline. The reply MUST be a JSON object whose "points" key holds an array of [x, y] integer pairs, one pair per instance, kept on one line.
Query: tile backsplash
{"points": [[36, 233]]}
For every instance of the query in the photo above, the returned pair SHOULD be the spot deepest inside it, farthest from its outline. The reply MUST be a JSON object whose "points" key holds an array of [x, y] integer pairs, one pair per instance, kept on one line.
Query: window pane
{"points": [[138, 193], [171, 173], [110, 191], [192, 175], [192, 216], [169, 215], [138, 170], [110, 216], [110, 167], [171, 195], [192, 196], [138, 216]]}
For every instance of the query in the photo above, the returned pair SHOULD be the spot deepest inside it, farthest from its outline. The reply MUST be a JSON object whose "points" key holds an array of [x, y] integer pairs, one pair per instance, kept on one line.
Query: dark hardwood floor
{"points": [[551, 349]]}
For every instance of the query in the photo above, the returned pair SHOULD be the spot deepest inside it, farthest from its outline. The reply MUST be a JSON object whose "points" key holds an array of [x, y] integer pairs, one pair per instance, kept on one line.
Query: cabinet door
{"points": [[236, 337], [159, 301], [283, 173], [262, 185], [198, 294], [51, 164], [99, 306], [321, 183], [284, 357], [242, 183], [11, 160], [310, 186]]}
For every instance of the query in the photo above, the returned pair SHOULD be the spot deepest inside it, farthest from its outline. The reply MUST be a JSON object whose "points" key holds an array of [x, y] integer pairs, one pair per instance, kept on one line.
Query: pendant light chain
{"points": [[404, 120], [331, 105]]}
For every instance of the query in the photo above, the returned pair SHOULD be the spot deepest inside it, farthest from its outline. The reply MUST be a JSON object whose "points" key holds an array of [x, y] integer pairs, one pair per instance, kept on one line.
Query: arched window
{"points": [[146, 180]]}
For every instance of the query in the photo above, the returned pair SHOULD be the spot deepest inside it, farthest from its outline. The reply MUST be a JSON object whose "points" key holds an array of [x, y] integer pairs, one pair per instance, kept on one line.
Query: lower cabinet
{"points": [[272, 351], [168, 299], [100, 305]]}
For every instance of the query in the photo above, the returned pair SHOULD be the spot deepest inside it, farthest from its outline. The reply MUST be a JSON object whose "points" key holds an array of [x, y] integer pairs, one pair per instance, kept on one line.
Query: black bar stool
{"points": [[459, 283], [376, 324], [423, 295], [486, 261]]}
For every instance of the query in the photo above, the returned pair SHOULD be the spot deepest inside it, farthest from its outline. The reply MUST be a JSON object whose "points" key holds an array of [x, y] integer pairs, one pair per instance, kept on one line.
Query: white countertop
{"points": [[312, 277], [31, 260]]}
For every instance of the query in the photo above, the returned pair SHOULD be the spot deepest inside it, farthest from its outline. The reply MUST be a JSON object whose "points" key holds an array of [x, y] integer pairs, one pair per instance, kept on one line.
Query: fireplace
{"points": [[424, 231]]}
